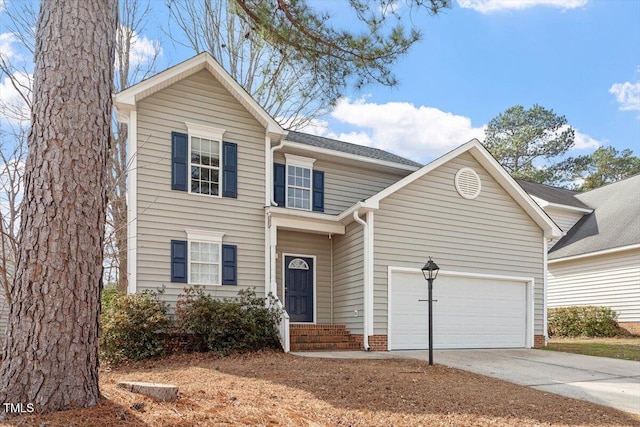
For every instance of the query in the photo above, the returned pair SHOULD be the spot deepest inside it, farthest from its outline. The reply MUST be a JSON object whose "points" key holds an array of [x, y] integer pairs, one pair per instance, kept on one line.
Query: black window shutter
{"points": [[230, 170], [279, 181], [318, 191], [229, 265], [179, 261], [179, 161]]}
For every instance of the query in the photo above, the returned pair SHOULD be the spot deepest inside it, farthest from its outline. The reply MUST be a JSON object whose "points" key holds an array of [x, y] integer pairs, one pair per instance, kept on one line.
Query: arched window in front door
{"points": [[298, 264]]}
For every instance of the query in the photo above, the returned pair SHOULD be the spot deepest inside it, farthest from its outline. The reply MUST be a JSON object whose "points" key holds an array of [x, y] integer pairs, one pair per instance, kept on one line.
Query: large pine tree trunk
{"points": [[51, 348]]}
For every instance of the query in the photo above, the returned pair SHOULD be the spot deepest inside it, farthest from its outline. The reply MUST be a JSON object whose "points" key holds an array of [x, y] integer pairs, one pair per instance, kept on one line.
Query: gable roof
{"points": [[349, 148], [553, 195], [475, 148], [614, 223], [125, 100]]}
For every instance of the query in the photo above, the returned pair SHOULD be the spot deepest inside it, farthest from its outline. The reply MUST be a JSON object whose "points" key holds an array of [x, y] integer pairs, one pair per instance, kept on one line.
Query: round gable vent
{"points": [[468, 183]]}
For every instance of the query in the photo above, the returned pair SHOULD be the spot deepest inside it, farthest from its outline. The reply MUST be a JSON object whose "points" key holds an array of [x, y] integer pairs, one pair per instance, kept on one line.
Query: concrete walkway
{"points": [[609, 382]]}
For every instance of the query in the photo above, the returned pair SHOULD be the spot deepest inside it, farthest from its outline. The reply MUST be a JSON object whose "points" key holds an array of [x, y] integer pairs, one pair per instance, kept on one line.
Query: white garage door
{"points": [[469, 312]]}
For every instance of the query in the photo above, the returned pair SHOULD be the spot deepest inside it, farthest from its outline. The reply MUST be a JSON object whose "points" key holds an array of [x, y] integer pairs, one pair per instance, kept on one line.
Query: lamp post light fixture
{"points": [[430, 272]]}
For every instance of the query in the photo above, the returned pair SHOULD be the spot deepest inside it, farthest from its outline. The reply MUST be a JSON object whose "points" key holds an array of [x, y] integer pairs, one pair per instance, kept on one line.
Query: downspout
{"points": [[365, 231], [270, 168], [331, 271], [545, 256]]}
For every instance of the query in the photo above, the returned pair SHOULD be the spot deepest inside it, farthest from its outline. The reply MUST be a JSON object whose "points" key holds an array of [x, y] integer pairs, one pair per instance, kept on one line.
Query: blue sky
{"points": [[580, 58]]}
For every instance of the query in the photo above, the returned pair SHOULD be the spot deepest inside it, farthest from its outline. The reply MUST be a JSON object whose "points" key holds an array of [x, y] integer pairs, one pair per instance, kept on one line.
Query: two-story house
{"points": [[221, 196]]}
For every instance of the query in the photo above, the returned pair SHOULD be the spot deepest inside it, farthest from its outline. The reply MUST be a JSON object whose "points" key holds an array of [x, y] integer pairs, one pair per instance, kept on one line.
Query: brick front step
{"points": [[307, 337], [329, 346]]}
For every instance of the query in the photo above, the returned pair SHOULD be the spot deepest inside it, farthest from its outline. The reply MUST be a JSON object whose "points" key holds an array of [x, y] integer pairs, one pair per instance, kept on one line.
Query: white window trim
{"points": [[203, 236], [301, 162], [210, 133]]}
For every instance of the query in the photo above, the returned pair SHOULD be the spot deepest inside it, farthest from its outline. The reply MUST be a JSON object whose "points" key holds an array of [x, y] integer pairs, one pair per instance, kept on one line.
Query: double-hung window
{"points": [[203, 259], [205, 263], [205, 154], [299, 182]]}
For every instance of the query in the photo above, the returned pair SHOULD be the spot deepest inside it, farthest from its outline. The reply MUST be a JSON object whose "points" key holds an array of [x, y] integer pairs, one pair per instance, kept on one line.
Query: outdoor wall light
{"points": [[430, 272]]}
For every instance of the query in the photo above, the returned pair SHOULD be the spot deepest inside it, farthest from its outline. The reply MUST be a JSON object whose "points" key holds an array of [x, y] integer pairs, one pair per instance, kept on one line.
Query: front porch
{"points": [[316, 272]]}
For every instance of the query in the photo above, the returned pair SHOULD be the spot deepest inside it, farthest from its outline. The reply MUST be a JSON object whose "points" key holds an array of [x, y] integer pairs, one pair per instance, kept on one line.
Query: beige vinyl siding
{"points": [[491, 234], [165, 214], [564, 218], [348, 278], [611, 280], [306, 244], [345, 184]]}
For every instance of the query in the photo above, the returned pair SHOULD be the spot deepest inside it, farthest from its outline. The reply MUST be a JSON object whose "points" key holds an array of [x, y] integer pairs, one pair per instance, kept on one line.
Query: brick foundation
{"points": [[631, 327], [539, 341], [376, 342]]}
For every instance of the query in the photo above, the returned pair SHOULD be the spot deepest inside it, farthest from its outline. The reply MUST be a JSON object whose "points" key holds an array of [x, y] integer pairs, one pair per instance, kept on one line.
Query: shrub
{"points": [[134, 327], [241, 324], [587, 321], [109, 293]]}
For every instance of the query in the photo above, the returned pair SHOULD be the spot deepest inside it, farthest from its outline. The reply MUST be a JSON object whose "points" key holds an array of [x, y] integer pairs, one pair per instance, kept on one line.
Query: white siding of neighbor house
{"points": [[164, 214], [611, 280], [491, 234], [348, 278], [564, 218], [294, 243], [347, 183]]}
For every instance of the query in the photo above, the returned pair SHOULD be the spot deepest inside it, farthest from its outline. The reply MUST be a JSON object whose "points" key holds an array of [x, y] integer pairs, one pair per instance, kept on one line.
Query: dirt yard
{"points": [[274, 389]]}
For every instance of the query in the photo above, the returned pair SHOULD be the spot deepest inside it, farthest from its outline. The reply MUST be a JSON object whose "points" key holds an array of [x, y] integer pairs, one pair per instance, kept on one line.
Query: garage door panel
{"points": [[468, 312]]}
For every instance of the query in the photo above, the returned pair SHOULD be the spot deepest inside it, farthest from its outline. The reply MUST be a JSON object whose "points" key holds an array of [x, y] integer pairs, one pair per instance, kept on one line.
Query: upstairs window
{"points": [[298, 187], [205, 166], [201, 163], [299, 182]]}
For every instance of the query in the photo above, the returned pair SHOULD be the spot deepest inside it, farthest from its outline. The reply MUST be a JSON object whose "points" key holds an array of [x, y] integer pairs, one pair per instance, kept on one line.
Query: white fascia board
{"points": [[568, 208], [596, 253], [335, 153], [495, 170], [307, 225], [189, 67]]}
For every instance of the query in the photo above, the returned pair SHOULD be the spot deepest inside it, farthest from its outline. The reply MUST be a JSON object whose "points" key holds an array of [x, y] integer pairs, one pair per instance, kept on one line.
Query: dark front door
{"points": [[298, 288]]}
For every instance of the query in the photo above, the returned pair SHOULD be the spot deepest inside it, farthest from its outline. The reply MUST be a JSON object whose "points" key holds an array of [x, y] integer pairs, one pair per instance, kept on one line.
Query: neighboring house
{"points": [[221, 196], [597, 262]]}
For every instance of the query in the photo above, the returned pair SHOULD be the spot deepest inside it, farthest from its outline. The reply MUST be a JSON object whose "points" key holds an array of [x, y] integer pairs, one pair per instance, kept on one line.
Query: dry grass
{"points": [[627, 348], [274, 389]]}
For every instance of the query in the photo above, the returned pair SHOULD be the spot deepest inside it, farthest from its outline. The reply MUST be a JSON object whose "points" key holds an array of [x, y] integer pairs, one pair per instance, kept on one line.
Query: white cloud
{"points": [[584, 141], [3, 6], [143, 50], [7, 41], [419, 133], [627, 94], [488, 6], [12, 106]]}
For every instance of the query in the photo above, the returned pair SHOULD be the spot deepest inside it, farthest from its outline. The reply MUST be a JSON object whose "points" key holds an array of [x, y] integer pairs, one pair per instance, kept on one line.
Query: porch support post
{"points": [[273, 242]]}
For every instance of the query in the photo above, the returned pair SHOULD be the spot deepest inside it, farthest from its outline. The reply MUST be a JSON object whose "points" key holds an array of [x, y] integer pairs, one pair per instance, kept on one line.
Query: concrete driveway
{"points": [[609, 382]]}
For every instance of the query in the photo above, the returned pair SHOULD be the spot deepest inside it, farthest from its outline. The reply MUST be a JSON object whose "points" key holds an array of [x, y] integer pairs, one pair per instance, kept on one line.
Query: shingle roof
{"points": [[615, 221], [556, 195], [346, 147]]}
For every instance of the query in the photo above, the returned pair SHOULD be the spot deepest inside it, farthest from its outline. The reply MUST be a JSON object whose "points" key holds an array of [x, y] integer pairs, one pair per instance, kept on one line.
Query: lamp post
{"points": [[430, 272]]}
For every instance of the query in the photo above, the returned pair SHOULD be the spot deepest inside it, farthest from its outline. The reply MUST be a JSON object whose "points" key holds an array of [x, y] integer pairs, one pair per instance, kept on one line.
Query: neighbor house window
{"points": [[205, 262], [299, 182]]}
